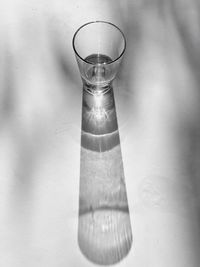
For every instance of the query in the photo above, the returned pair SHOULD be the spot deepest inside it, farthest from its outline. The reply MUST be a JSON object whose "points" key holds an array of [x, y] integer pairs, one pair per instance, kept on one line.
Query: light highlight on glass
{"points": [[98, 47]]}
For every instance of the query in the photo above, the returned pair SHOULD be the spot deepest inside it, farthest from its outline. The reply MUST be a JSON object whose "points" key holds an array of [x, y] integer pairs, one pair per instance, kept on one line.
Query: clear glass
{"points": [[104, 226], [99, 47]]}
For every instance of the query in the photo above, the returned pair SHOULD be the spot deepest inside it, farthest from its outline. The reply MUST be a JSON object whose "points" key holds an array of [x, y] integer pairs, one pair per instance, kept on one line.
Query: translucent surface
{"points": [[99, 72], [99, 47], [99, 37]]}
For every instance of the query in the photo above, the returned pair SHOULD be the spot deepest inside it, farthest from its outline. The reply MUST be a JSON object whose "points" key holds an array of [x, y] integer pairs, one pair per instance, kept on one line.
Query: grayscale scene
{"points": [[100, 133]]}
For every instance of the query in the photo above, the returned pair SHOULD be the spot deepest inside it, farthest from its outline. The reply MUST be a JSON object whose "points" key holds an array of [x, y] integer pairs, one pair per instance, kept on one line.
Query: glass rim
{"points": [[99, 21]]}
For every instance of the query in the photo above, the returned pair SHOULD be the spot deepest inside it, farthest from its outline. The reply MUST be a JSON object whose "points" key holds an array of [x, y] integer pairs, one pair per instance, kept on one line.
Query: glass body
{"points": [[104, 227], [98, 47]]}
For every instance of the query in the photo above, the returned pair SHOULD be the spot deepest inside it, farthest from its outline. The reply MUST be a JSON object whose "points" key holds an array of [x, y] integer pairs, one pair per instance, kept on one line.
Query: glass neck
{"points": [[96, 89]]}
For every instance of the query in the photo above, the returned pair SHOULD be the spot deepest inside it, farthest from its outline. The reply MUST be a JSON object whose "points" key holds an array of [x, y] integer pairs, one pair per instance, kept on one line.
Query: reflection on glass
{"points": [[104, 228], [99, 47]]}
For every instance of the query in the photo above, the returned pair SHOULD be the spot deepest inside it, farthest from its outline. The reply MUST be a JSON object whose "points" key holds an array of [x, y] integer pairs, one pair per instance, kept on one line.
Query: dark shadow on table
{"points": [[104, 228]]}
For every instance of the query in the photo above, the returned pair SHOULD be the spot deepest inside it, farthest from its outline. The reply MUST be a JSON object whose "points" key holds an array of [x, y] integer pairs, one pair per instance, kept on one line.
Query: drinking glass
{"points": [[104, 226], [99, 47]]}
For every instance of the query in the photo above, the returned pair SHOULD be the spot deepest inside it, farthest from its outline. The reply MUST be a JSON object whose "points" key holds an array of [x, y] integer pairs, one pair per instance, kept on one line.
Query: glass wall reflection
{"points": [[104, 227]]}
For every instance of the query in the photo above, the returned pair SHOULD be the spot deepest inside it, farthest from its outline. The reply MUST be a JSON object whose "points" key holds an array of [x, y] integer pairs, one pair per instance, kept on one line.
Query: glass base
{"points": [[96, 89]]}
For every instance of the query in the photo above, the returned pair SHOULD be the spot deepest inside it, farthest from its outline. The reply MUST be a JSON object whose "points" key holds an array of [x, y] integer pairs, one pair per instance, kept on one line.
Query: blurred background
{"points": [[157, 98]]}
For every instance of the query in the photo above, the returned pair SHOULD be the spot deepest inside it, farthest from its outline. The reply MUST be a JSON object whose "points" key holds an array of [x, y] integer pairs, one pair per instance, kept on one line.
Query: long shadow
{"points": [[104, 227]]}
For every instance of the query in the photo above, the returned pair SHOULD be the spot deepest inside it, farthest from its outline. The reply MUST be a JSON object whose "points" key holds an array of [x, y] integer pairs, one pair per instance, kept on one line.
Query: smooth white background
{"points": [[157, 100]]}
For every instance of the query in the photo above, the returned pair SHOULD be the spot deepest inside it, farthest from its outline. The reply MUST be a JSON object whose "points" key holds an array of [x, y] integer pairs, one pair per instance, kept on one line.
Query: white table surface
{"points": [[157, 102]]}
